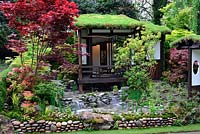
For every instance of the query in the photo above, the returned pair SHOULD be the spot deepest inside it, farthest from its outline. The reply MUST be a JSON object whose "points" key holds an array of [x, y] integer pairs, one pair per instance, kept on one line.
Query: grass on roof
{"points": [[156, 28], [193, 37], [106, 21], [115, 21]]}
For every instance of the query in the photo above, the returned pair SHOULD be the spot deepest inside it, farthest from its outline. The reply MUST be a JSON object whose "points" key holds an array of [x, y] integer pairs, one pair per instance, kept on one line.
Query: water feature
{"points": [[98, 101]]}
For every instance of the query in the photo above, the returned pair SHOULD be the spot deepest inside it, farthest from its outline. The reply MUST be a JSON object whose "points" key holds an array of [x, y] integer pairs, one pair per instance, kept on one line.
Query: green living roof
{"points": [[156, 28], [183, 40], [115, 21]]}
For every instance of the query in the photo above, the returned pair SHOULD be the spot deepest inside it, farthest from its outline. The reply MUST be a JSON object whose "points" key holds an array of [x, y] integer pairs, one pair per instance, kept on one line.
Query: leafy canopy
{"points": [[182, 14], [40, 23], [114, 7]]}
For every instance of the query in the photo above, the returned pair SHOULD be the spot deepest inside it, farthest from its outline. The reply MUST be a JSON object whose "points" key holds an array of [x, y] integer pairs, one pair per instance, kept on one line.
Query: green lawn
{"points": [[194, 127]]}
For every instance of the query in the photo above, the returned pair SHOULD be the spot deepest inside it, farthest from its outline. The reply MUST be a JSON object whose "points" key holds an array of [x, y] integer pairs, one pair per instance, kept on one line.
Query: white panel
{"points": [[100, 31], [84, 51], [96, 55], [121, 31], [157, 51], [195, 77]]}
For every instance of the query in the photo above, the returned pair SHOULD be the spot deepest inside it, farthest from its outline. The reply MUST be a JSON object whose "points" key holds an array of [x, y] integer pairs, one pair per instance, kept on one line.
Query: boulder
{"points": [[98, 121], [105, 98], [6, 126], [92, 99]]}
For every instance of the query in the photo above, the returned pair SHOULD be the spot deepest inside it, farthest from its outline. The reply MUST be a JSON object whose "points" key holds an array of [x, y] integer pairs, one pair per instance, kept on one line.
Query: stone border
{"points": [[145, 122], [47, 126], [68, 126]]}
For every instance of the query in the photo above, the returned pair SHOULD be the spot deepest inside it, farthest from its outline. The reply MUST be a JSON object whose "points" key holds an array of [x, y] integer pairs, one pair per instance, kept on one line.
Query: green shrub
{"points": [[13, 115], [2, 95], [3, 89], [116, 117], [178, 122], [49, 92], [115, 88], [132, 116], [56, 116], [137, 56]]}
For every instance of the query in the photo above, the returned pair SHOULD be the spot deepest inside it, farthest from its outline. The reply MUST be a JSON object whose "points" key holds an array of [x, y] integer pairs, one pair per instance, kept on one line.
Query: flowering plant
{"points": [[20, 79]]}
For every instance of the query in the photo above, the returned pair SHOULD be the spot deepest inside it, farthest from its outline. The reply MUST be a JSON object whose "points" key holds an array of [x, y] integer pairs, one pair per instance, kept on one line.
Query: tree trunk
{"points": [[157, 15]]}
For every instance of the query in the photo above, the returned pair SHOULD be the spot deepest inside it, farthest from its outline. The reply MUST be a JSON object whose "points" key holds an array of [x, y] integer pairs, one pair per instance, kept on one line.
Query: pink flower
{"points": [[28, 94], [26, 104], [8, 79], [9, 89], [10, 74], [16, 70]]}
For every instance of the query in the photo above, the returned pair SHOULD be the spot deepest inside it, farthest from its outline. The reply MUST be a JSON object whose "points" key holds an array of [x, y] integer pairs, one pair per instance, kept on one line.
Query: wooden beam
{"points": [[101, 80], [80, 62]]}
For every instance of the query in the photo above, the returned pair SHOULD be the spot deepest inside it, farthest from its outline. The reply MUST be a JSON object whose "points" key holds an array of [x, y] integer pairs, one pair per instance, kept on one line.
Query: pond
{"points": [[102, 102]]}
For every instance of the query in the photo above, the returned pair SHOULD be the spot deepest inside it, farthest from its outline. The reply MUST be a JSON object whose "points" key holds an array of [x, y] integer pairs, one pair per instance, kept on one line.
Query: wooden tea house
{"points": [[97, 34]]}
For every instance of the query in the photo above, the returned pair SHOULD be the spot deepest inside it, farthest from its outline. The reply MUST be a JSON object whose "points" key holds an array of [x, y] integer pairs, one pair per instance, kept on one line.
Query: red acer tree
{"points": [[42, 24], [178, 62]]}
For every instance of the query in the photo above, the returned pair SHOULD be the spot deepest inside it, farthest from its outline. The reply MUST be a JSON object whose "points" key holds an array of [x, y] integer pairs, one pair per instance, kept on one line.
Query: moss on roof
{"points": [[115, 21], [194, 38], [156, 28], [106, 21]]}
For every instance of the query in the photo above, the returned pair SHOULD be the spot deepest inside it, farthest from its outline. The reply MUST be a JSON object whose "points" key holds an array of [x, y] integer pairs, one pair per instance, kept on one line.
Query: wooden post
{"points": [[80, 76], [189, 85], [162, 56]]}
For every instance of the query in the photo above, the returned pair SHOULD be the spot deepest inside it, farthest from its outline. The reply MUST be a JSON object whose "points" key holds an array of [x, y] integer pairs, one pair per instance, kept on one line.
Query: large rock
{"points": [[105, 98], [98, 121], [6, 126], [92, 99]]}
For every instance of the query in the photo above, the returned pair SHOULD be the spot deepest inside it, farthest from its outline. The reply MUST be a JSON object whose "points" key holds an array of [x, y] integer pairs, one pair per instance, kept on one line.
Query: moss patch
{"points": [[115, 21], [106, 21], [156, 28], [189, 38]]}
